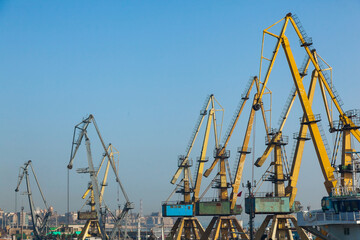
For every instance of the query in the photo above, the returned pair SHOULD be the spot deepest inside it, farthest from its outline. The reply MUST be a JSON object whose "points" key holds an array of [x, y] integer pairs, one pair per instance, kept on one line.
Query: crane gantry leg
{"points": [[224, 227], [189, 227]]}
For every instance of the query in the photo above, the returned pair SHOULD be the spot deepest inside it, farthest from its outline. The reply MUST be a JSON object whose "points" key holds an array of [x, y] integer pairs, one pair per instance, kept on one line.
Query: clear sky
{"points": [[144, 68]]}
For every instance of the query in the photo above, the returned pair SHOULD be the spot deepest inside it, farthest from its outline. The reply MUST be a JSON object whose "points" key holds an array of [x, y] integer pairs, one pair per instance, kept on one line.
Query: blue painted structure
{"points": [[177, 210]]}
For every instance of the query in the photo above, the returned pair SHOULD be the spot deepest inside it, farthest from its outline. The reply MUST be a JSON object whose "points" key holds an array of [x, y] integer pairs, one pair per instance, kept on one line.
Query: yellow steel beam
{"points": [[279, 173], [323, 93], [294, 96], [273, 227], [223, 181], [343, 117], [181, 228], [222, 151], [239, 170], [278, 44], [323, 159], [203, 155], [86, 193], [217, 229], [299, 149], [346, 159], [179, 170], [103, 184], [187, 194], [260, 161], [97, 173]]}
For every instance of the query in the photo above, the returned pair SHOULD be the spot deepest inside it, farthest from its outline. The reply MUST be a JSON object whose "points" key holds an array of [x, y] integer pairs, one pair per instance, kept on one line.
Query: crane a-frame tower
{"points": [[308, 121]]}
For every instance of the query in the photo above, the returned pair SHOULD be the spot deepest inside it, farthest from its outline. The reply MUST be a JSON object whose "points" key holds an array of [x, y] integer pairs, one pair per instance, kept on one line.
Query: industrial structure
{"points": [[282, 202], [40, 227], [97, 218], [187, 225], [92, 222], [224, 209]]}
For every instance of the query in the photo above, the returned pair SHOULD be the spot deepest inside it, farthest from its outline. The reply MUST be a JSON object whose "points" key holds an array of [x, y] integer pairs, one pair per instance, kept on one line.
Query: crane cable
{"points": [[68, 196], [253, 156]]}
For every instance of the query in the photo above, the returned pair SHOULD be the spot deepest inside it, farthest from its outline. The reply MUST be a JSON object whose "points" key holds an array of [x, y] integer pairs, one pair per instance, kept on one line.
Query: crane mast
{"points": [[39, 222]]}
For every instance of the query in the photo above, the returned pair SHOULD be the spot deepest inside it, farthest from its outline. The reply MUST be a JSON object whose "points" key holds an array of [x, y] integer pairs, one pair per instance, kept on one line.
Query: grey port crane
{"points": [[39, 222], [80, 132], [92, 225]]}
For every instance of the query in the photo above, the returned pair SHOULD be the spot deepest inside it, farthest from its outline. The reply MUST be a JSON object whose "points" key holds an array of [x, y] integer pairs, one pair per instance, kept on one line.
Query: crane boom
{"points": [[193, 138], [202, 159], [76, 144], [232, 126], [241, 161]]}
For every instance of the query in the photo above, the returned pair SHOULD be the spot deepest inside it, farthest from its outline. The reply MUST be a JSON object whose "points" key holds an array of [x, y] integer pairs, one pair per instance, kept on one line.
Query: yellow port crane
{"points": [[187, 225], [224, 224], [279, 212], [39, 222], [80, 133], [309, 120]]}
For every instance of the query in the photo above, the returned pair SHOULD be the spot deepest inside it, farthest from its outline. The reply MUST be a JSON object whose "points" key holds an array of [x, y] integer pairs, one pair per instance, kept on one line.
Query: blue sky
{"points": [[144, 69]]}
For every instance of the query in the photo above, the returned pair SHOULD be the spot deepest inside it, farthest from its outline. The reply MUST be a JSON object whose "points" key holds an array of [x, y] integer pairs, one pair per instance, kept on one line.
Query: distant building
{"points": [[71, 217], [23, 219]]}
